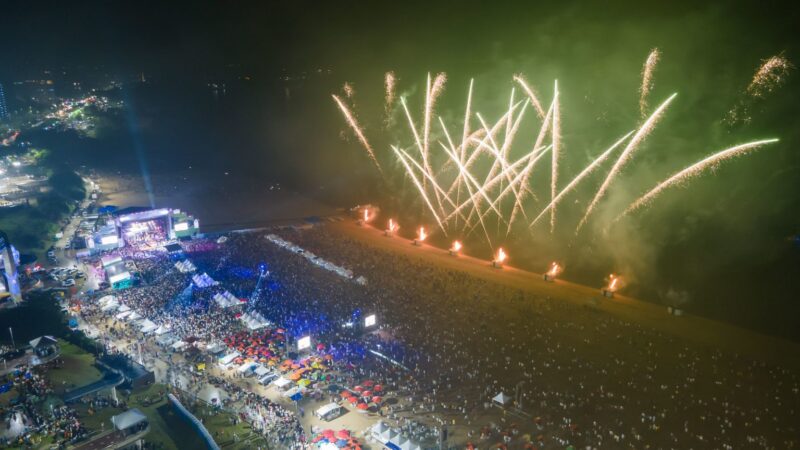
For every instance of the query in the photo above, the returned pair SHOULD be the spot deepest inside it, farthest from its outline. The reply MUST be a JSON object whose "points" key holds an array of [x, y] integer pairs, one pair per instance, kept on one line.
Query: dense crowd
{"points": [[574, 374], [25, 423]]}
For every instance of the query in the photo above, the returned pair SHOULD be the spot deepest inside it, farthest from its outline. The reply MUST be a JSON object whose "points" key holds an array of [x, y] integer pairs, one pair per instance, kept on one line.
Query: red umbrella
{"points": [[353, 400], [362, 406], [358, 388], [377, 388], [368, 383], [346, 394], [376, 399], [343, 434], [327, 433], [366, 393]]}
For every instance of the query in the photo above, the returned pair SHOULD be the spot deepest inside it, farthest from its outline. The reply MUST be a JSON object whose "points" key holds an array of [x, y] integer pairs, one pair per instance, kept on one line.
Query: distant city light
{"points": [[369, 321]]}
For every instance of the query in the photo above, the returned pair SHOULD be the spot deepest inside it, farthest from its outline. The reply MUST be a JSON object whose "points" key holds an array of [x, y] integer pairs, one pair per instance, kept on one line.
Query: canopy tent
{"points": [[261, 371], [228, 359], [282, 382], [122, 315], [246, 367], [166, 339], [110, 306], [148, 326], [327, 409], [502, 399], [226, 299], [254, 320], [215, 347], [178, 345], [203, 280], [106, 299], [294, 391], [133, 316], [185, 266]]}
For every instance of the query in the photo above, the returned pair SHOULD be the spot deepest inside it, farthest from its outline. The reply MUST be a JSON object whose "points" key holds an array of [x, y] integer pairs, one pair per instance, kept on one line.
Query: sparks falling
{"points": [[488, 175], [389, 84], [351, 120], [647, 80], [695, 170], [770, 75]]}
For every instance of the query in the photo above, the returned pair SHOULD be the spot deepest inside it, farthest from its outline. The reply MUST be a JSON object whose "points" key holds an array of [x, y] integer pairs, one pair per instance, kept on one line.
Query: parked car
{"points": [[68, 282]]}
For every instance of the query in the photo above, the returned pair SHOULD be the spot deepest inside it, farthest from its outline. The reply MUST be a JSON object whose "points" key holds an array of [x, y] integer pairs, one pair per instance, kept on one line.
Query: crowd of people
{"points": [[450, 342], [24, 423]]}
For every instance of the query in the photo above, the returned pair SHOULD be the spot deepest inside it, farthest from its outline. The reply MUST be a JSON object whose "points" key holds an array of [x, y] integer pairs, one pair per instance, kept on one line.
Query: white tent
{"points": [[122, 315], [327, 409], [105, 299], [215, 347], [261, 371], [226, 360], [124, 308], [178, 345], [388, 435], [110, 306], [148, 326], [282, 382], [254, 320], [166, 339], [501, 399], [133, 316]]}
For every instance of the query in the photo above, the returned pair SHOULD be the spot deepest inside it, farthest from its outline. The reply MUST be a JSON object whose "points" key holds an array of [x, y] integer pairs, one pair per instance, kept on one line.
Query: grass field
{"points": [[78, 369]]}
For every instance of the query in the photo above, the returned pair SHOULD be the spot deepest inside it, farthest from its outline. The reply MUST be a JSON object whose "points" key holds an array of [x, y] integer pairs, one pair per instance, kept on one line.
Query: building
{"points": [[10, 262], [45, 346], [3, 105]]}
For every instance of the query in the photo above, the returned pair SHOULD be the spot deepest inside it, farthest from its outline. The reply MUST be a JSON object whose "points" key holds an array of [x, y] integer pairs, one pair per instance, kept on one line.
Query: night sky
{"points": [[737, 225]]}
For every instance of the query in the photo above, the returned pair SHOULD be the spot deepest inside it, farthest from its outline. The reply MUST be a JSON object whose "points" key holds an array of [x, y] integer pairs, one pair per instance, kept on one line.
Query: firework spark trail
{"points": [[389, 84], [463, 146], [480, 188], [432, 92], [483, 146], [647, 80], [572, 184], [693, 171], [769, 76], [539, 140], [351, 120], [501, 153], [462, 170], [430, 178], [531, 95], [556, 136], [348, 90], [422, 152], [532, 160], [416, 182], [438, 86], [624, 157]]}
